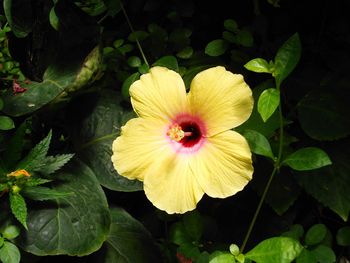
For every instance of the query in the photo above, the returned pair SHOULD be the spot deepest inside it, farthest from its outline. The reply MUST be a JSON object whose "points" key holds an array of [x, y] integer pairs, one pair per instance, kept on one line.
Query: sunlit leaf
{"points": [[9, 253], [268, 103], [258, 65]]}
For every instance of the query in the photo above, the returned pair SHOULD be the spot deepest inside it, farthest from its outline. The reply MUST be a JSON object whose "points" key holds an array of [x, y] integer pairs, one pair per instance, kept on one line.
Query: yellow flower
{"points": [[181, 145], [19, 173]]}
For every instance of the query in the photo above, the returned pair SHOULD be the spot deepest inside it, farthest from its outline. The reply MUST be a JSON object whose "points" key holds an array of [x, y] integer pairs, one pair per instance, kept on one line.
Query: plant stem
{"points": [[274, 171], [132, 30]]}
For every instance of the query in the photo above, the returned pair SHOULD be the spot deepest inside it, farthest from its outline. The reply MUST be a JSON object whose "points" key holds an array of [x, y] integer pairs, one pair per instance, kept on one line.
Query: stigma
{"points": [[175, 132]]}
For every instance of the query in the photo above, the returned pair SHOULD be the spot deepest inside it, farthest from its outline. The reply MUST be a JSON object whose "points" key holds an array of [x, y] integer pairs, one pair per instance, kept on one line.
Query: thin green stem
{"points": [[274, 171], [132, 30]]}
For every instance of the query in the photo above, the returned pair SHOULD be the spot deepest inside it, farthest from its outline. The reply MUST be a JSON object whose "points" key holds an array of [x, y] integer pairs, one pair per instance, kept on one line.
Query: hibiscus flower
{"points": [[181, 145]]}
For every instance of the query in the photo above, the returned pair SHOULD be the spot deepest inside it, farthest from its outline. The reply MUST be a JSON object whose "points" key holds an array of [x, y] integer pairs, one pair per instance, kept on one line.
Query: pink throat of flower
{"points": [[186, 133]]}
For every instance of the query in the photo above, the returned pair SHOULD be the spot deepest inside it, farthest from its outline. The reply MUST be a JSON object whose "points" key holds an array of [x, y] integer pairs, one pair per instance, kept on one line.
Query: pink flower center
{"points": [[186, 133]]}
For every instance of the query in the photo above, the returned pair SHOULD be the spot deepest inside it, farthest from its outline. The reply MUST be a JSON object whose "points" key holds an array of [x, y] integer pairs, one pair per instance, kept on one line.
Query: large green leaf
{"points": [[95, 135], [287, 58], [323, 115], [76, 224], [276, 249], [59, 78], [129, 241], [330, 185]]}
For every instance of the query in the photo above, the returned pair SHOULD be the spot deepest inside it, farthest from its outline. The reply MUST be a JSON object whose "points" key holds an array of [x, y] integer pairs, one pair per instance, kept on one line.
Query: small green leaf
{"points": [[185, 53], [41, 193], [193, 225], [231, 25], [343, 236], [258, 143], [258, 65], [306, 257], [127, 83], [323, 254], [11, 232], [54, 21], [276, 249], [309, 158], [118, 43], [34, 181], [35, 157], [6, 123], [9, 253], [216, 47], [134, 61], [221, 257], [138, 36], [19, 208], [51, 164], [287, 58], [234, 249], [245, 38], [295, 232], [169, 62], [268, 103], [315, 234]]}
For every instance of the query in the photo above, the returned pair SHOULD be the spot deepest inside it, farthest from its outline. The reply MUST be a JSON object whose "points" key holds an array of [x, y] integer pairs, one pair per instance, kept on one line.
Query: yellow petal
{"points": [[222, 99], [160, 94], [223, 165], [171, 185], [141, 142]]}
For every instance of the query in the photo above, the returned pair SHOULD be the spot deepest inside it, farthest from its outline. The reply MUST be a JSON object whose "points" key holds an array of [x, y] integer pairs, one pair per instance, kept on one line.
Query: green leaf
{"points": [[244, 38], [343, 236], [1, 104], [19, 16], [6, 123], [36, 156], [134, 61], [95, 134], [138, 35], [127, 83], [231, 25], [54, 21], [10, 232], [287, 58], [41, 193], [296, 232], [323, 115], [255, 122], [323, 254], [64, 76], [185, 53], [129, 241], [19, 208], [169, 62], [9, 253], [216, 47], [315, 234], [306, 257], [308, 158], [34, 181], [330, 185], [51, 164], [258, 143], [193, 225], [268, 103], [276, 249], [221, 257], [75, 225], [258, 65], [113, 7]]}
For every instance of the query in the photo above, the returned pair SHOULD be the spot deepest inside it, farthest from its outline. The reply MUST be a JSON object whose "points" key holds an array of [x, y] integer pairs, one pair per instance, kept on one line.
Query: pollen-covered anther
{"points": [[175, 132]]}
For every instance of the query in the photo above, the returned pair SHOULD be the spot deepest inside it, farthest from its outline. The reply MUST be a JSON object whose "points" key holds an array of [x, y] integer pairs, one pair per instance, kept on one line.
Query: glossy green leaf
{"points": [[9, 253], [19, 16], [10, 232], [287, 58], [330, 184], [343, 236], [258, 143], [127, 83], [307, 159], [268, 103], [231, 25], [75, 225], [54, 21], [6, 123], [221, 257], [258, 65], [276, 249], [315, 234], [18, 208], [41, 193], [216, 47], [169, 62], [95, 134], [323, 115], [129, 241], [323, 254]]}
